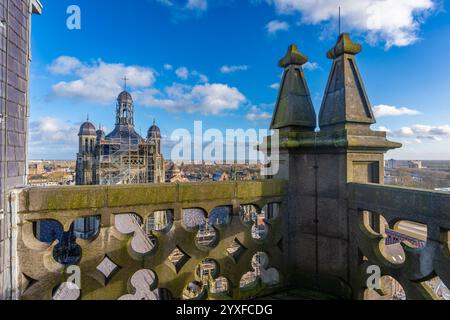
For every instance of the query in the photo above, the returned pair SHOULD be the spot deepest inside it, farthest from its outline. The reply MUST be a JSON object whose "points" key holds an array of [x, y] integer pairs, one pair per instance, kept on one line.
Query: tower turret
{"points": [[294, 108], [124, 110], [345, 102]]}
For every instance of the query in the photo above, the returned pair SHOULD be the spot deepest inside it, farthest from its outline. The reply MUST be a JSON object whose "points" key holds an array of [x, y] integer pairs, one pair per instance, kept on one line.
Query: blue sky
{"points": [[216, 61]]}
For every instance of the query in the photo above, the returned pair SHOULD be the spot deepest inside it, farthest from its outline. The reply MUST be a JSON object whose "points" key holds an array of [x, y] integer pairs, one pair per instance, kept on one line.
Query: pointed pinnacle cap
{"points": [[293, 56], [344, 45]]}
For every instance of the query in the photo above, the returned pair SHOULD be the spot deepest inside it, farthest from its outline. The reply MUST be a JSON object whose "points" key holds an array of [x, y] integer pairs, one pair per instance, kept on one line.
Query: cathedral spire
{"points": [[294, 108], [345, 102]]}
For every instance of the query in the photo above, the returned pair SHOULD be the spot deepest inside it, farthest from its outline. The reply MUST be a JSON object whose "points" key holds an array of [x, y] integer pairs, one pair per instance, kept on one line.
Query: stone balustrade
{"points": [[416, 270], [237, 257]]}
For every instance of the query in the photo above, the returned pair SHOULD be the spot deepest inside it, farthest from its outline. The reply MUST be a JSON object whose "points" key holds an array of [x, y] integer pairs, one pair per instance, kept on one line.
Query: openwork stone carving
{"points": [[132, 238]]}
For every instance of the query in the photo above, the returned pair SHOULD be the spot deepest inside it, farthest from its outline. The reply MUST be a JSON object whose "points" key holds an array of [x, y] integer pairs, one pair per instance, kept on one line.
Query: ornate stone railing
{"points": [[129, 261], [373, 207]]}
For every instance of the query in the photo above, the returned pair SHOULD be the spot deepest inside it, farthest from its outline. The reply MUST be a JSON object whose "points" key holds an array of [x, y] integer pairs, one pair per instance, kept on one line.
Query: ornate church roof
{"points": [[125, 96], [154, 132], [87, 129]]}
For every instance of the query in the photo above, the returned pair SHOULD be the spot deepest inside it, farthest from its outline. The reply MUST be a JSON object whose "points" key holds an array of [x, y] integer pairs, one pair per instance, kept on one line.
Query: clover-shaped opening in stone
{"points": [[159, 221], [252, 215], [178, 259], [235, 250], [67, 252], [206, 236], [387, 289], [437, 288], [206, 271], [267, 276], [389, 246], [260, 230], [260, 263], [108, 268], [66, 291], [193, 291], [130, 223], [271, 211], [144, 285]]}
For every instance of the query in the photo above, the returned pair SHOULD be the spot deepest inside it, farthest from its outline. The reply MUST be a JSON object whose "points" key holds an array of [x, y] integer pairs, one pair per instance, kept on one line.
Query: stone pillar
{"points": [[319, 165], [14, 61]]}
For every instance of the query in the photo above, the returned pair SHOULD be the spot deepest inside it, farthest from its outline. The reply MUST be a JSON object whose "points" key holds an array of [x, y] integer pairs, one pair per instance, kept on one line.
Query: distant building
{"points": [[416, 164], [36, 167], [121, 157], [391, 164], [174, 174]]}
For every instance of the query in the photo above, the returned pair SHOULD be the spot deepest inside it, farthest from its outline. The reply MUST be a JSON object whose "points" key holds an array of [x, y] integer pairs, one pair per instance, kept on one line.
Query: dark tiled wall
{"points": [[14, 58]]}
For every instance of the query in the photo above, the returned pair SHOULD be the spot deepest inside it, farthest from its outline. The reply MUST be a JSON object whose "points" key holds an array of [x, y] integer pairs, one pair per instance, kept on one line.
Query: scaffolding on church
{"points": [[123, 161]]}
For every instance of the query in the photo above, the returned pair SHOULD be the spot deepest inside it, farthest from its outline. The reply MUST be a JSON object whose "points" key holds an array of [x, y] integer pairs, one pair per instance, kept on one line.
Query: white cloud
{"points": [[231, 69], [168, 67], [393, 22], [256, 114], [383, 110], [275, 86], [424, 132], [208, 99], [200, 5], [383, 128], [54, 136], [311, 66], [182, 73], [201, 77], [99, 81], [274, 26], [64, 65]]}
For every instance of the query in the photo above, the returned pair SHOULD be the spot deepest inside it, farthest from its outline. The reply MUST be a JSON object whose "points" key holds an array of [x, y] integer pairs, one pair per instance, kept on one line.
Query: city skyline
{"points": [[214, 65]]}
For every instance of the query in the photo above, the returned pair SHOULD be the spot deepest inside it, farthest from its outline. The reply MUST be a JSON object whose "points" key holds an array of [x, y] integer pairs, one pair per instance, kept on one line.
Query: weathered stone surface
{"points": [[294, 108], [67, 204]]}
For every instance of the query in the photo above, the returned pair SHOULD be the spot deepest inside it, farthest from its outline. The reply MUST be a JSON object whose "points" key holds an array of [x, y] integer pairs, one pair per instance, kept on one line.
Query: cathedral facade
{"points": [[122, 156]]}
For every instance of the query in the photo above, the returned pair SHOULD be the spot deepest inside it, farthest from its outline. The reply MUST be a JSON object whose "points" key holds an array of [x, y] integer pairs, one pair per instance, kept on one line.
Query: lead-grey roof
{"points": [[87, 129]]}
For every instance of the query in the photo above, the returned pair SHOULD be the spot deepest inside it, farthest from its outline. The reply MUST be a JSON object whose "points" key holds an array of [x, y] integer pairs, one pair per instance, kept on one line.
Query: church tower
{"points": [[86, 154], [156, 170]]}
